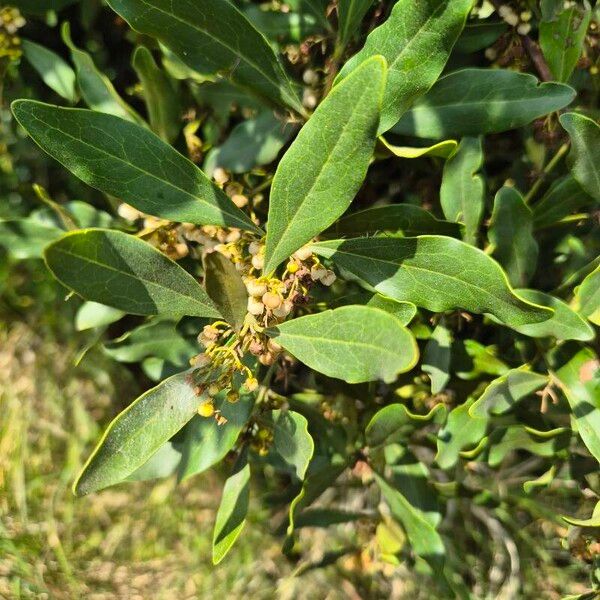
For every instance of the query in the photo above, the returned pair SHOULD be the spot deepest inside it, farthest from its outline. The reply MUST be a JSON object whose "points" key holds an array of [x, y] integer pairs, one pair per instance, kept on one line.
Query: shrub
{"points": [[389, 259]]}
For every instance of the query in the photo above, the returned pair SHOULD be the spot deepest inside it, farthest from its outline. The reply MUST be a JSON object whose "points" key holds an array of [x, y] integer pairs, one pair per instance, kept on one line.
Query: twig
{"points": [[547, 170]]}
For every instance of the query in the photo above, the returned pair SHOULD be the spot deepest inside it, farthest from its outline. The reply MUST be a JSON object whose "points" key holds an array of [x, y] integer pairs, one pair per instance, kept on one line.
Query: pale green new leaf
{"points": [[27, 238], [353, 343], [93, 314], [562, 38], [95, 87], [416, 41], [584, 158], [437, 357], [511, 234], [472, 102], [213, 36], [565, 323], [350, 15], [407, 219], [462, 194], [323, 169], [578, 374], [160, 95], [53, 70], [124, 272], [292, 440], [443, 149], [137, 433], [231, 515], [128, 161], [225, 287], [505, 391], [435, 272], [588, 297]]}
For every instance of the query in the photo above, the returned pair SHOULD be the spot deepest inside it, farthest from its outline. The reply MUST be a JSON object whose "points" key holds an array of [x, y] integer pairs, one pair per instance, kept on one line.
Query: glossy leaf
{"points": [[407, 219], [160, 95], [157, 338], [321, 172], [353, 343], [424, 539], [231, 515], [564, 197], [565, 323], [588, 297], [95, 87], [92, 314], [584, 158], [129, 162], [225, 287], [503, 393], [443, 149], [124, 272], [416, 41], [254, 142], [562, 38], [437, 357], [292, 440], [408, 269], [472, 102], [137, 433], [213, 36], [578, 374], [206, 443], [511, 233], [462, 194], [54, 71], [350, 16], [461, 431], [394, 423]]}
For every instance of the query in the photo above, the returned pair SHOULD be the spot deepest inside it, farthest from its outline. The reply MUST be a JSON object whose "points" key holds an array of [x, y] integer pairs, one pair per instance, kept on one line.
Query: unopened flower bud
{"points": [[254, 248], [255, 307], [317, 273], [206, 409], [256, 288], [284, 310], [220, 176], [258, 261], [256, 347], [239, 200], [233, 236], [251, 384], [328, 278], [303, 254], [292, 267], [128, 213], [271, 300]]}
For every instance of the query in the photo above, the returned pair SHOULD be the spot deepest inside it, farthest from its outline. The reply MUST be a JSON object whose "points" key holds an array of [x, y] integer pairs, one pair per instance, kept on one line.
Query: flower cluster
{"points": [[11, 21]]}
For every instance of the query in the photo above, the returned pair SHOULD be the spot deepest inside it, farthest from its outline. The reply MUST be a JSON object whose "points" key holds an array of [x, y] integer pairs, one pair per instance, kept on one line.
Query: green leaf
{"points": [[231, 515], [578, 374], [53, 70], [588, 297], [460, 431], [584, 158], [424, 539], [505, 391], [292, 440], [353, 343], [137, 433], [92, 314], [95, 87], [479, 35], [408, 269], [206, 442], [403, 311], [350, 16], [562, 38], [437, 357], [407, 219], [283, 27], [477, 101], [443, 149], [26, 238], [160, 95], [225, 287], [593, 521], [511, 233], [564, 197], [394, 423], [161, 464], [462, 194], [322, 171], [416, 41], [124, 272], [129, 162], [254, 142], [157, 338], [565, 323], [213, 36]]}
